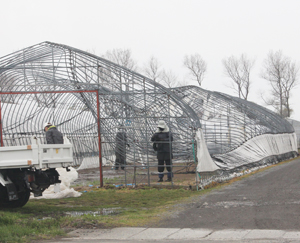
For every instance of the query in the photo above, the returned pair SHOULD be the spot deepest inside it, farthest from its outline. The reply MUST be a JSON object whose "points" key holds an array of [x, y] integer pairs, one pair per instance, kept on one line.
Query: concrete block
{"points": [[291, 235], [264, 234], [191, 234], [154, 234], [232, 234]]}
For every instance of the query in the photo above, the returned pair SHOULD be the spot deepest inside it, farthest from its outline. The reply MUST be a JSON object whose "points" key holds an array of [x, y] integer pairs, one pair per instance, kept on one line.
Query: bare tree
{"points": [[238, 69], [122, 57], [169, 79], [125, 81], [197, 67], [152, 69], [282, 75]]}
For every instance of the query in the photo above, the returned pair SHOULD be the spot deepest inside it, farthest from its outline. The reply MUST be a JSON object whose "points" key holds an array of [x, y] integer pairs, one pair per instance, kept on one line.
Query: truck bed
{"points": [[39, 156]]}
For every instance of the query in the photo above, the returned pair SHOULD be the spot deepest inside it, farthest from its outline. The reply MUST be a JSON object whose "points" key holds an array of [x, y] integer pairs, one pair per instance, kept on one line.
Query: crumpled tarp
{"points": [[205, 162], [253, 150], [258, 148], [66, 177], [92, 162]]}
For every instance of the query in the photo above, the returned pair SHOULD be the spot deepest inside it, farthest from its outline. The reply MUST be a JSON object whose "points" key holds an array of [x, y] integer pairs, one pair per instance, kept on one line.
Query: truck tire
{"points": [[23, 198]]}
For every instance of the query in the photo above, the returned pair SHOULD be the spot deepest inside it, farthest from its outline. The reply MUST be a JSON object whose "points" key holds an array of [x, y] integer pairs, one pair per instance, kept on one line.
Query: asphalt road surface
{"points": [[264, 207], [266, 200]]}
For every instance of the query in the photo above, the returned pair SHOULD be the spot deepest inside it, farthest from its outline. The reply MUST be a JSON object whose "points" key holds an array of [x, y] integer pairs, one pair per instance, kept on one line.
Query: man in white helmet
{"points": [[53, 136], [163, 146]]}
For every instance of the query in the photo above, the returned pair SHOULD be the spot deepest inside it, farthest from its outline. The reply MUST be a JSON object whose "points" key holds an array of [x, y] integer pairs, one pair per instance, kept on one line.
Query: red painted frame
{"points": [[60, 92]]}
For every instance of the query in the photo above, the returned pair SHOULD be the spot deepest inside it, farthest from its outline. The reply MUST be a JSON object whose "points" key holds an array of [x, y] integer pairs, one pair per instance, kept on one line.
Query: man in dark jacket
{"points": [[120, 151], [163, 145], [53, 136]]}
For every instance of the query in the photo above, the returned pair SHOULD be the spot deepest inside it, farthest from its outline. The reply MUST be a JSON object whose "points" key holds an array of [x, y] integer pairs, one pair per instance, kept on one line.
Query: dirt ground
{"points": [[184, 176]]}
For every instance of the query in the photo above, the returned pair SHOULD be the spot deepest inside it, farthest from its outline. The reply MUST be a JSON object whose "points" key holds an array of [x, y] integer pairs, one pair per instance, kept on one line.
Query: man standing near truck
{"points": [[53, 136]]}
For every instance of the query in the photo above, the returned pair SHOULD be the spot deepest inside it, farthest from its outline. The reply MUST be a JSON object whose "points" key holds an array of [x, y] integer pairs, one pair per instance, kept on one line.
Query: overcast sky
{"points": [[165, 29]]}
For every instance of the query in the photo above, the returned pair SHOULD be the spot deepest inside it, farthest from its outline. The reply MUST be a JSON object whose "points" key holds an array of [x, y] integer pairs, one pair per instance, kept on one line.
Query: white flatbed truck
{"points": [[31, 168]]}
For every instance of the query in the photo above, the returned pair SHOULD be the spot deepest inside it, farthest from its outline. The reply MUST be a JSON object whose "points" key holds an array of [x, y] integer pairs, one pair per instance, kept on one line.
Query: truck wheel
{"points": [[5, 203]]}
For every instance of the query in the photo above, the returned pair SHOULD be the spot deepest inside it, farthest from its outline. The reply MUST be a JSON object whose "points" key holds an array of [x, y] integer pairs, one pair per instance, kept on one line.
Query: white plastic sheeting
{"points": [[296, 125], [91, 162], [258, 148], [205, 162], [66, 177]]}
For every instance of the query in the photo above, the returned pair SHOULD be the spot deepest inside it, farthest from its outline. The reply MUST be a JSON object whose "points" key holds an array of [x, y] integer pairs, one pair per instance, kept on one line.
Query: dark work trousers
{"points": [[120, 161], [162, 161]]}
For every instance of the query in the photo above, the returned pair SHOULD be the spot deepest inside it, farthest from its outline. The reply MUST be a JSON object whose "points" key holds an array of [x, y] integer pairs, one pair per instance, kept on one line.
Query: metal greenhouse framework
{"points": [[89, 99]]}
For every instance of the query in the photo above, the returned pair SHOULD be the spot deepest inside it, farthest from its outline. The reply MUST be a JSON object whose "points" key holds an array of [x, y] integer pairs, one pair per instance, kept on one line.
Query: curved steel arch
{"points": [[235, 119], [127, 100]]}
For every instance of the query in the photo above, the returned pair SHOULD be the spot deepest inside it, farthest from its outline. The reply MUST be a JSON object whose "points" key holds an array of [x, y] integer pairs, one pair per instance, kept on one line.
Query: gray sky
{"points": [[165, 29]]}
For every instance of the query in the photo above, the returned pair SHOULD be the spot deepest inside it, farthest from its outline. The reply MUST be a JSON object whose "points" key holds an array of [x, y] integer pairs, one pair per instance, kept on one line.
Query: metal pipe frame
{"points": [[38, 84]]}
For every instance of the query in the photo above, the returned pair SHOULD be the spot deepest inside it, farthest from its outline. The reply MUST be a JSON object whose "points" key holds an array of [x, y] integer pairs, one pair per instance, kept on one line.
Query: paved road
{"points": [[264, 207], [266, 200]]}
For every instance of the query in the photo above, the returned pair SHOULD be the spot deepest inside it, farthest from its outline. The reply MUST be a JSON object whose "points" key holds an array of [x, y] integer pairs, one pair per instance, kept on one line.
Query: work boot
{"points": [[160, 176], [170, 175], [169, 179]]}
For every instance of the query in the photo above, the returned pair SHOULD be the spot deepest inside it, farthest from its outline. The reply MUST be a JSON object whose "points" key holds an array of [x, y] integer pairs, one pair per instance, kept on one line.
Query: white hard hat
{"points": [[161, 124], [47, 124]]}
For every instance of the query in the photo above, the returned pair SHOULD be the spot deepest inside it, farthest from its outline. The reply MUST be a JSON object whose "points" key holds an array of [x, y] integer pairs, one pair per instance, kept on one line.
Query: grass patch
{"points": [[17, 227], [45, 219]]}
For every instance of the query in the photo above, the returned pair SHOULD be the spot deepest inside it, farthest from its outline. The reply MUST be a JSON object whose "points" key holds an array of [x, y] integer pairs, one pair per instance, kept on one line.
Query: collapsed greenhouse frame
{"points": [[40, 84]]}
